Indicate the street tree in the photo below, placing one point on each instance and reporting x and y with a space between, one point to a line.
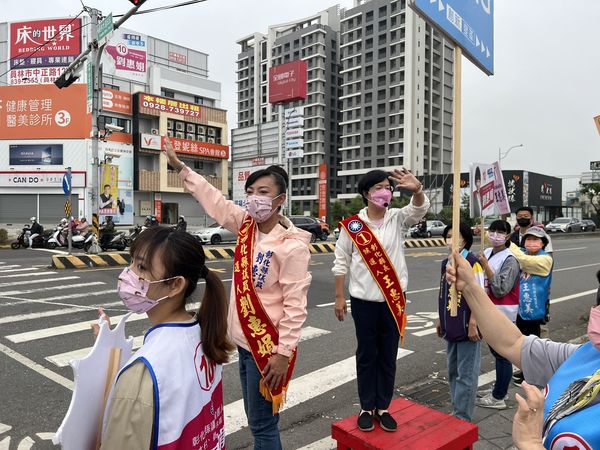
592 192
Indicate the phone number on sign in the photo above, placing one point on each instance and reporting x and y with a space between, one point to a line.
171 109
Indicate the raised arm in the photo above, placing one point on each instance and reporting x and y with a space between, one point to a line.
419 203
535 265
224 211
497 329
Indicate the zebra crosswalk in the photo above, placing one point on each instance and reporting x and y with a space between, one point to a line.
45 319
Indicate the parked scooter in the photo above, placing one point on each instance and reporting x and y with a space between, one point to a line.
117 242
133 234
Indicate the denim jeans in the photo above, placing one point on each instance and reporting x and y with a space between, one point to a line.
377 336
503 375
262 422
464 361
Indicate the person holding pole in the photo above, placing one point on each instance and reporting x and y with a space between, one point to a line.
460 331
571 373
370 248
170 390
269 290
502 274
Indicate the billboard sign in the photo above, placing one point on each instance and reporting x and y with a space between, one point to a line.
323 191
186 146
469 23
39 179
294 143
125 55
544 190
594 165
35 155
116 101
108 174
287 82
153 105
293 133
44 43
124 186
44 112
36 75
292 154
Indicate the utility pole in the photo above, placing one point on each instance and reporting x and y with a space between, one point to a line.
94 51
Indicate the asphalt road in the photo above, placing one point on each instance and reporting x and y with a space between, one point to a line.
45 316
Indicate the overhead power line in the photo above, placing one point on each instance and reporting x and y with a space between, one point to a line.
163 8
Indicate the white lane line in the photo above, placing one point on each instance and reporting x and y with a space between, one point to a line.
28 269
302 389
486 378
52 288
424 332
323 305
36 367
327 443
576 267
4 428
53 300
78 295
569 249
73 328
63 359
26 443
57 312
48 280
570 297
38 274
10 266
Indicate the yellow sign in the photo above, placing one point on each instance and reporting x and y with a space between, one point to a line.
68 208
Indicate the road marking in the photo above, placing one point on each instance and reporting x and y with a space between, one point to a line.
486 378
81 294
323 305
58 312
52 288
59 379
327 443
5 443
49 280
569 249
576 267
26 443
424 332
38 274
29 269
4 428
302 389
73 328
572 296
11 266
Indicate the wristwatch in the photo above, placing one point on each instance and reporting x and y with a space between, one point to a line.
180 167
418 191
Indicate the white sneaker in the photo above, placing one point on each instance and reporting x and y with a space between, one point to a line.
490 402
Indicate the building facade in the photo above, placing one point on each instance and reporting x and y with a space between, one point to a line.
314 39
397 93
154 88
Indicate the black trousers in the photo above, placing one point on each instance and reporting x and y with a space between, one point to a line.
377 335
529 327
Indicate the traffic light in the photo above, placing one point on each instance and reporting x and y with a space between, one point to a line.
137 2
67 79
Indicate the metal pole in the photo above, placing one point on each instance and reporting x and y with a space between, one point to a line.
280 136
97 87
289 171
68 216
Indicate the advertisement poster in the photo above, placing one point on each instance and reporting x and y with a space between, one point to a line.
109 190
323 191
125 55
488 194
44 112
35 155
40 50
122 211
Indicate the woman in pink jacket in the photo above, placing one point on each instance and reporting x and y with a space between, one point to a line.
268 294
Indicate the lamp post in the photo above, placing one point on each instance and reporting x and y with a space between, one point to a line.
502 155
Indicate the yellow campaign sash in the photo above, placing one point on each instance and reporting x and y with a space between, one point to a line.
257 327
378 262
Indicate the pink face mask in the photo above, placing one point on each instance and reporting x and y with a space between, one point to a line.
381 198
497 239
260 207
133 290
594 327
533 246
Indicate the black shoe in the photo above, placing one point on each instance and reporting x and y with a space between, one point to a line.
518 378
365 421
386 421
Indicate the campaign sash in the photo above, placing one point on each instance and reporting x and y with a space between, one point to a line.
257 327
378 262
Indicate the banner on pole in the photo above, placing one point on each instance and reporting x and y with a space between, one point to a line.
488 193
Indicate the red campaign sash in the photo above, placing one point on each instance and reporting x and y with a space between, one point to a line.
257 327
378 262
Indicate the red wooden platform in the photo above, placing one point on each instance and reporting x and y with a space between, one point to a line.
419 428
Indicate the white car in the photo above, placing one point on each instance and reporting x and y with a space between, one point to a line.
215 234
564 224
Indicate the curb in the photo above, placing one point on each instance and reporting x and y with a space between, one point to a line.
212 254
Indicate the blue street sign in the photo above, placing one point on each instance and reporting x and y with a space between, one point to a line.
66 183
469 23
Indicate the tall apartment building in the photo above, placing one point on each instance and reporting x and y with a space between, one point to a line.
314 39
397 93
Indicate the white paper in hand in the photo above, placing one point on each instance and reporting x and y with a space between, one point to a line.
82 422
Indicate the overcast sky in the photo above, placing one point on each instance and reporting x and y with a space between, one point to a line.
543 95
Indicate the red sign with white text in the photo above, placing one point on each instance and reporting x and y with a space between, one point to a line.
186 146
323 191
56 42
116 101
287 82
153 105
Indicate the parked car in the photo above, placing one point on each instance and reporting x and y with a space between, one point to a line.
564 225
215 234
309 224
588 225
434 228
